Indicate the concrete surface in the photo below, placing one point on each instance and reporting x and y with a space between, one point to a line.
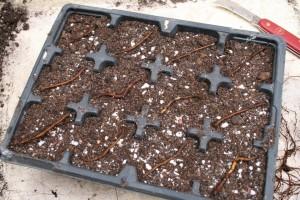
31 184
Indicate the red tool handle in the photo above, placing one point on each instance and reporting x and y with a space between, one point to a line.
292 40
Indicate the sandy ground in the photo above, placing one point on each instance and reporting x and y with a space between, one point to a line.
25 183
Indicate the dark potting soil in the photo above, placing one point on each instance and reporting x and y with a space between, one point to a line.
106 144
10 18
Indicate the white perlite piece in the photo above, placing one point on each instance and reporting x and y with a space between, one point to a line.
179 134
132 43
115 114
145 86
241 87
173 162
161 101
85 151
169 132
41 142
120 142
74 143
235 191
224 125
166 24
252 192
148 167
152 48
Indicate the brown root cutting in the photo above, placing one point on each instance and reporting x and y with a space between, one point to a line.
218 122
191 52
219 186
167 107
45 131
106 151
147 35
167 160
73 78
123 93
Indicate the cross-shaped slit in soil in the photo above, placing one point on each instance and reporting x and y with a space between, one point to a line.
101 58
215 79
156 68
205 135
142 122
50 51
83 109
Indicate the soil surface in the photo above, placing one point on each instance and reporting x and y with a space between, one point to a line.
105 143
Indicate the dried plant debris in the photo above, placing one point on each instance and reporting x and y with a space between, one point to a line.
287 183
123 92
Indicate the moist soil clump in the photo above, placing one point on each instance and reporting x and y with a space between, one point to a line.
165 156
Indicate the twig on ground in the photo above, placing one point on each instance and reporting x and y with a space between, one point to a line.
166 108
218 122
45 131
191 52
65 82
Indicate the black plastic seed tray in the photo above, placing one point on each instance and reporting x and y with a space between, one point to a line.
128 176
